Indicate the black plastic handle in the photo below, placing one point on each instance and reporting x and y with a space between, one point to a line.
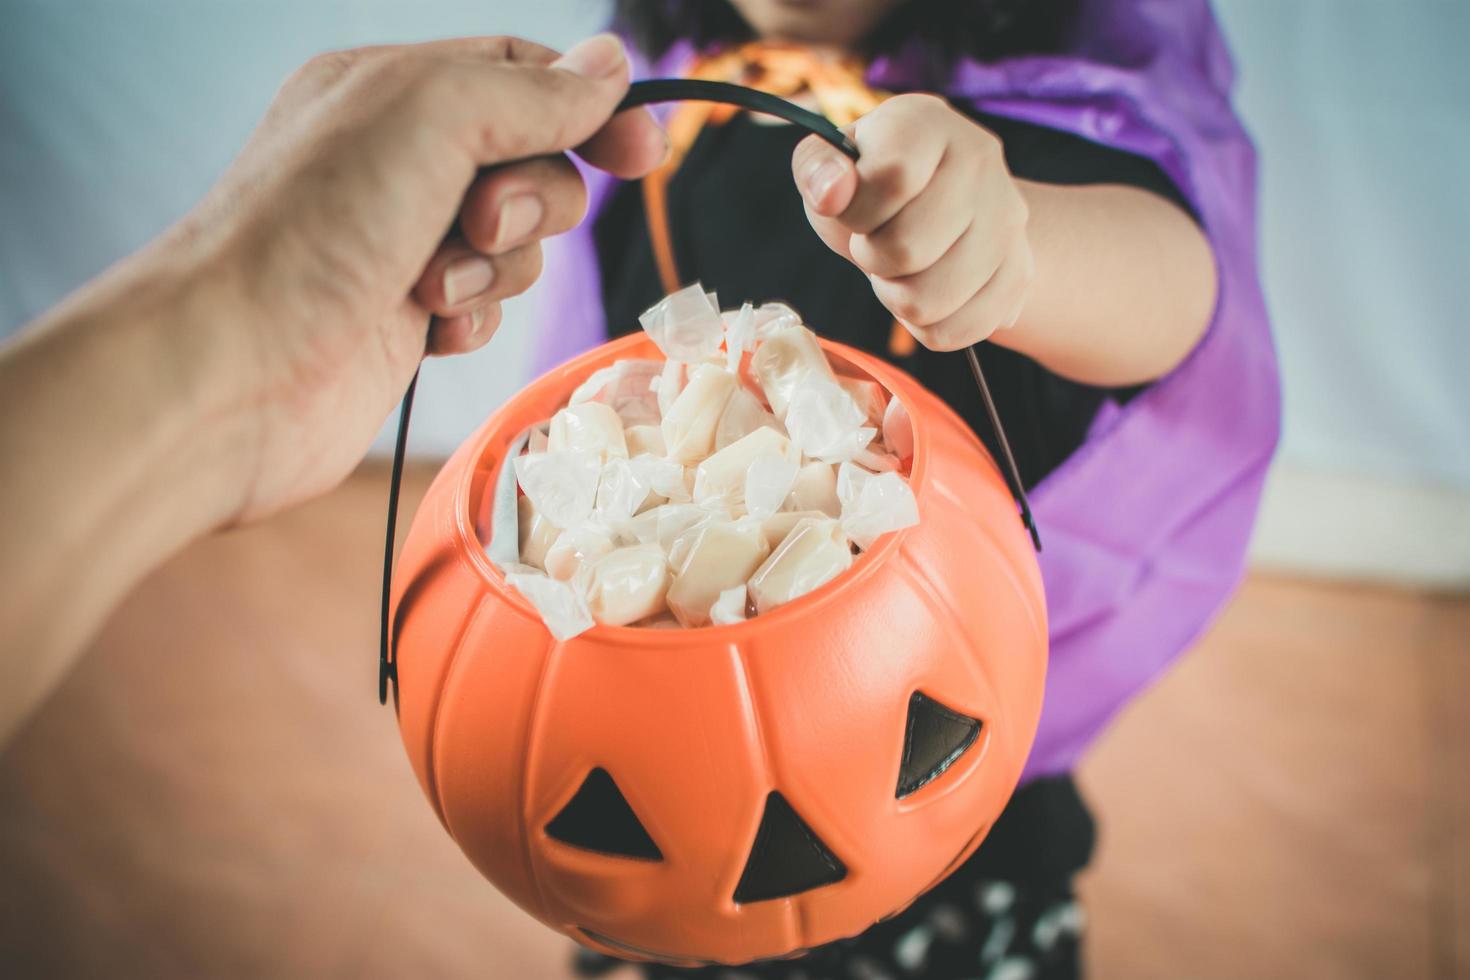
699 90
684 90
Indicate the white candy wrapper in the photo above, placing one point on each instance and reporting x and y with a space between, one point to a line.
813 554
685 325
778 526
898 430
739 335
743 415
729 607
667 386
768 482
868 395
574 547
873 505
537 534
771 318
689 424
665 525
562 485
815 489
621 491
561 606
624 386
722 477
783 360
591 426
627 584
666 478
668 494
721 556
877 461
825 423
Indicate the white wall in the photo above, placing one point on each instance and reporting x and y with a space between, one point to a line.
1361 109
115 116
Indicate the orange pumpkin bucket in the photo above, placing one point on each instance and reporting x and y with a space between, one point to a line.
736 792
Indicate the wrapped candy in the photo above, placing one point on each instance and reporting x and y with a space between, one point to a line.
768 482
873 505
667 386
536 442
729 607
814 553
627 584
591 426
685 325
723 475
825 423
743 414
739 335
815 489
624 386
781 362
644 440
689 424
574 547
778 525
877 460
537 534
771 318
622 489
721 556
666 524
668 494
562 485
868 395
898 430
561 606
666 479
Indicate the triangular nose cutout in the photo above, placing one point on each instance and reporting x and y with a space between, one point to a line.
933 739
599 819
787 858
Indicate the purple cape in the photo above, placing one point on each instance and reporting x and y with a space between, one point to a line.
1146 525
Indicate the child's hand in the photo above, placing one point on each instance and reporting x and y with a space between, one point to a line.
930 213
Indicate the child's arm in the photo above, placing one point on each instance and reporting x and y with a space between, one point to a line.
1104 284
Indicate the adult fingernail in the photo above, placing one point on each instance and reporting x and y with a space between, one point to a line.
467 277
519 216
477 320
821 174
596 57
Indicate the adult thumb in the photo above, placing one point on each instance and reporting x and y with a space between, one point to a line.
513 111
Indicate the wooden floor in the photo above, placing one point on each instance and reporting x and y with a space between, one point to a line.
216 793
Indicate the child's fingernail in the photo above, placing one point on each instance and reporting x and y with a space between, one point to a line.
596 57
477 320
519 216
821 175
466 277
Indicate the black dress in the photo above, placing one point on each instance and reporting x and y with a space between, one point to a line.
737 226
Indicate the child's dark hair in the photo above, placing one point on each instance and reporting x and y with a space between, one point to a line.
948 29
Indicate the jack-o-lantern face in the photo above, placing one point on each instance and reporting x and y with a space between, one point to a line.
737 792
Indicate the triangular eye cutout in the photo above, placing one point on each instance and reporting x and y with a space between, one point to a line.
933 739
787 858
599 819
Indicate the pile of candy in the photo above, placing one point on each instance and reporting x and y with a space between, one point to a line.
734 476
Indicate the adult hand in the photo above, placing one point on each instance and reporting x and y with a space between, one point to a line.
385 187
391 198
